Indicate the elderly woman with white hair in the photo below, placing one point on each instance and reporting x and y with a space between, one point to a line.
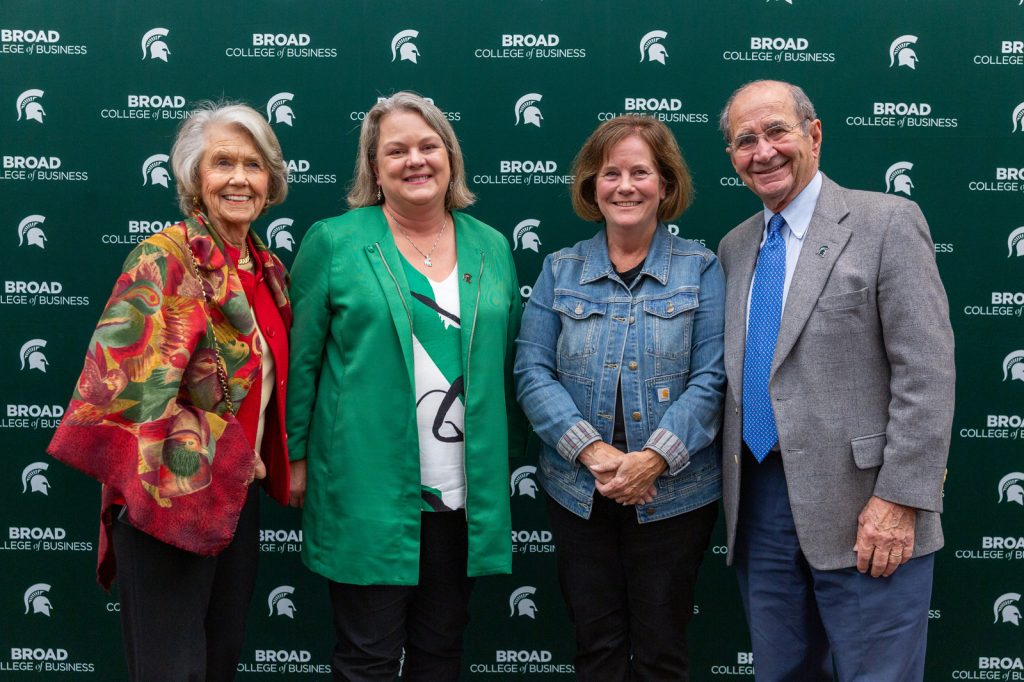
180 405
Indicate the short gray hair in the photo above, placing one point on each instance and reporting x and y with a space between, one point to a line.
190 144
801 104
363 191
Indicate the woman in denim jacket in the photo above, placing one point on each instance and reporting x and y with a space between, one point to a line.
619 368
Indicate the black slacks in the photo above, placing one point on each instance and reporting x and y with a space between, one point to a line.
182 614
629 588
374 622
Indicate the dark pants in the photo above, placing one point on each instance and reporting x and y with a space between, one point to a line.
182 614
629 588
803 619
374 622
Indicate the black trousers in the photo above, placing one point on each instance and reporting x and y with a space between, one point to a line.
182 614
374 622
629 588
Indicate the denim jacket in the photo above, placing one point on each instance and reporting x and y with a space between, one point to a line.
583 328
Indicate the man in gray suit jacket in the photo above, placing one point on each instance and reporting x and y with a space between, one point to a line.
839 358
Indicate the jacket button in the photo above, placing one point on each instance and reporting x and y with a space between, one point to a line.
579 309
369 249
636 416
633 365
632 319
270 332
736 410
669 308
649 511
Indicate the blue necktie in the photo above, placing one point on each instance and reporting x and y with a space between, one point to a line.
759 430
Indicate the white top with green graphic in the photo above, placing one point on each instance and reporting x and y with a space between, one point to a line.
440 407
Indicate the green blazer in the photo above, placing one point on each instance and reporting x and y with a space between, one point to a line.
351 411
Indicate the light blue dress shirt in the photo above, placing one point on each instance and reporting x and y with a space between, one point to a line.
798 219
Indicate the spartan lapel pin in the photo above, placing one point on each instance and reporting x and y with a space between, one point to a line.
822 250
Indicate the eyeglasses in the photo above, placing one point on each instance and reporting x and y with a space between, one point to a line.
776 132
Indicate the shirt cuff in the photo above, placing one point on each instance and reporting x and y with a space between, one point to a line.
576 438
668 445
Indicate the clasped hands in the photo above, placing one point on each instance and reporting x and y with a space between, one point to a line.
627 478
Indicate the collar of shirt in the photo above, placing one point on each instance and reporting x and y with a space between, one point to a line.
798 218
797 214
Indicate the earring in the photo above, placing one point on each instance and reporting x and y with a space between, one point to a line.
379 194
195 201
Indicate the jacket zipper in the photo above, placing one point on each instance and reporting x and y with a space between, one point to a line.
398 288
469 356
472 330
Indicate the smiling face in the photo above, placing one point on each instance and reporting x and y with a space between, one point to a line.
412 165
628 187
775 171
233 180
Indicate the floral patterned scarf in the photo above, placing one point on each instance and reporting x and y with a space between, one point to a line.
148 417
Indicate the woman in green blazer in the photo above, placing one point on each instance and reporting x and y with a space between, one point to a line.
401 413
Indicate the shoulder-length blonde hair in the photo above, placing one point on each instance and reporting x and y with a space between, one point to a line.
363 191
190 144
667 157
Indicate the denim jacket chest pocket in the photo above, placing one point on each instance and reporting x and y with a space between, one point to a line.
669 323
582 320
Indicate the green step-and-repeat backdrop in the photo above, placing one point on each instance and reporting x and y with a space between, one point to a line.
920 98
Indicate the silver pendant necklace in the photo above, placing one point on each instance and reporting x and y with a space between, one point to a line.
427 261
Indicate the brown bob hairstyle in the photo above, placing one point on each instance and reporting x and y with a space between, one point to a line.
667 157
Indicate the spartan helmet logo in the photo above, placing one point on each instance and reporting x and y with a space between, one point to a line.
1005 608
523 483
1013 366
34 476
900 50
651 48
153 45
525 108
277 109
32 353
525 237
520 603
896 178
154 172
1011 486
1016 242
36 599
30 232
279 602
278 235
1018 118
29 106
402 47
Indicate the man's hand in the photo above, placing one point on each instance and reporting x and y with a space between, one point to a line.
885 537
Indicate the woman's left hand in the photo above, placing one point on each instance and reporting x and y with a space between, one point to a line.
259 469
634 480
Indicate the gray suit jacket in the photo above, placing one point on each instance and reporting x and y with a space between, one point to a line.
862 379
